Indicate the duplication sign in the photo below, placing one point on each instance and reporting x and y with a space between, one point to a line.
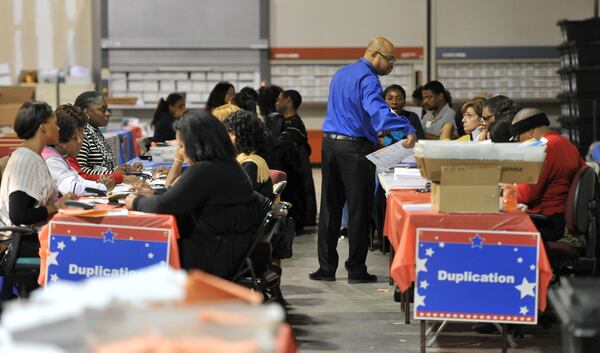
476 275
82 250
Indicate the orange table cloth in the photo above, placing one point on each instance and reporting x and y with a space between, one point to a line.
133 219
401 228
8 143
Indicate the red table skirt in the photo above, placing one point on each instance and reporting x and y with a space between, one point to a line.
134 219
401 226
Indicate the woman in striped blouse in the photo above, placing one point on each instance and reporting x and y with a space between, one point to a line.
96 158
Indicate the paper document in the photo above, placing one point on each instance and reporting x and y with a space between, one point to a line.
390 156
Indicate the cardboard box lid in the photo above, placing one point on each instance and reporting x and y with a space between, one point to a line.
13 94
512 171
471 175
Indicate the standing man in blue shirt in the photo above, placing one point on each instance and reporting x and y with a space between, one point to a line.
356 112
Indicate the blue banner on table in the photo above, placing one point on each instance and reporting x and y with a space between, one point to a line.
79 251
471 275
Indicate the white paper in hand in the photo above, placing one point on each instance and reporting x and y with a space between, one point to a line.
390 156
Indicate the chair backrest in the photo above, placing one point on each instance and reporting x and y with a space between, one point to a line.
8 262
277 176
265 231
582 196
278 188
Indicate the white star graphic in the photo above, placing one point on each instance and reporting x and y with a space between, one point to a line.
52 258
61 245
73 238
532 267
516 249
150 255
54 277
424 284
526 288
419 300
421 265
429 252
146 245
520 260
162 262
523 310
442 244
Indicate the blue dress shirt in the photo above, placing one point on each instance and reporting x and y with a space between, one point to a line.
356 107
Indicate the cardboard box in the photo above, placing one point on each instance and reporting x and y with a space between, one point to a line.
11 99
68 92
511 171
467 189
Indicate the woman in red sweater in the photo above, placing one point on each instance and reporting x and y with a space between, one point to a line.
549 195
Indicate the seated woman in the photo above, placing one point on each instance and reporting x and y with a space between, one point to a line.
71 122
222 93
167 112
549 195
96 158
249 136
217 209
27 191
472 117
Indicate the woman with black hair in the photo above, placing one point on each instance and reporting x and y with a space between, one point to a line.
244 101
167 112
27 191
217 209
221 94
96 157
71 122
249 136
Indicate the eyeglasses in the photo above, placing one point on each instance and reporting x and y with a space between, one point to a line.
390 59
486 118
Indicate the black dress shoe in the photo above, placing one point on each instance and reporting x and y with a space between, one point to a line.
319 275
364 278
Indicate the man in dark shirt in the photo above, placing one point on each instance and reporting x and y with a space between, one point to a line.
356 112
287 105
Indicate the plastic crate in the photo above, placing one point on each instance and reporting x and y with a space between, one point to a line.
583 31
577 303
583 81
584 55
580 106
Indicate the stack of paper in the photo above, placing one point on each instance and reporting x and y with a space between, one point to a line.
402 178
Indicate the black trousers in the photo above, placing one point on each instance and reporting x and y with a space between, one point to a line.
346 176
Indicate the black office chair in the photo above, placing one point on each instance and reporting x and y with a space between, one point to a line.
268 282
18 272
277 190
581 217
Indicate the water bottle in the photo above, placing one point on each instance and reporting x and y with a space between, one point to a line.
509 197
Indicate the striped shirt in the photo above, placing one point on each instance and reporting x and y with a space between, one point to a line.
25 171
95 156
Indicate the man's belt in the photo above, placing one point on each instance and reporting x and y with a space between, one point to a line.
342 137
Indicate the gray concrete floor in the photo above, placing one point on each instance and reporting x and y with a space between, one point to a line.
342 317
